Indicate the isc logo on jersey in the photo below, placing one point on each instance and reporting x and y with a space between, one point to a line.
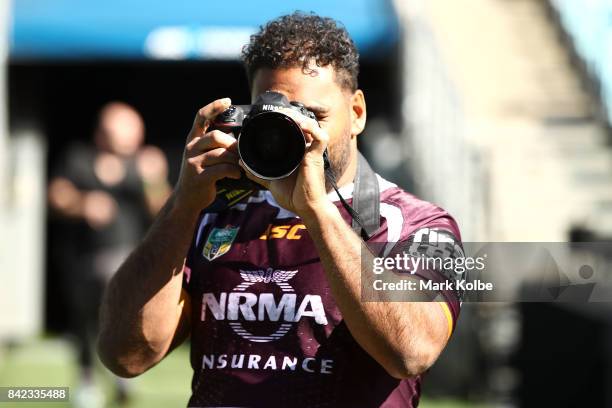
252 307
283 231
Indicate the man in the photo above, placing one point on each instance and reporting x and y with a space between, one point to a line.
269 289
102 198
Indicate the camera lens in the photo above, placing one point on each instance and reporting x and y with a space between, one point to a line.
271 145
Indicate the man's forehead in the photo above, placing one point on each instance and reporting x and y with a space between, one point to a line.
297 83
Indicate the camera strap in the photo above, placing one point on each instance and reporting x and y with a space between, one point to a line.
365 211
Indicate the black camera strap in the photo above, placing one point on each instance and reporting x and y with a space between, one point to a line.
365 211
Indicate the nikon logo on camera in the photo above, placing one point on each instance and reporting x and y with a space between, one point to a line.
268 107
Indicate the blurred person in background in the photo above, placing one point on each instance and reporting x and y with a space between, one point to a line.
288 250
104 196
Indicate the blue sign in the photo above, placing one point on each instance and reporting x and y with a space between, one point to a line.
187 29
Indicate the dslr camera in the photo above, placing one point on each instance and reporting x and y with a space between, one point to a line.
270 143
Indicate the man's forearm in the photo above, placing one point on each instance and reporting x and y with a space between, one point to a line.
141 307
404 337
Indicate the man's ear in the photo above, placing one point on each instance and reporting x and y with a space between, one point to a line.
358 112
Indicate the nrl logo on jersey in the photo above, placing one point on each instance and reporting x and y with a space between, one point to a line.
219 242
240 305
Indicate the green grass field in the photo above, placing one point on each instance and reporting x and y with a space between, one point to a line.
51 362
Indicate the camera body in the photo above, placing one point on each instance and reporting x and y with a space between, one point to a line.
270 144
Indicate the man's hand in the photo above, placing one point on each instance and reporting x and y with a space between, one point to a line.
303 192
208 157
151 165
99 208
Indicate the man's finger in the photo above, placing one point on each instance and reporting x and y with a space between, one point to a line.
206 114
211 140
222 170
213 157
320 138
315 135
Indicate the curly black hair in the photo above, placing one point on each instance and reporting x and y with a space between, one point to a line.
296 40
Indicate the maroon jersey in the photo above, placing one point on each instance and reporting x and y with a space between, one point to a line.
266 331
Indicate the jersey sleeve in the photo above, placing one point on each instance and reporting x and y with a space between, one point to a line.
440 245
422 229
